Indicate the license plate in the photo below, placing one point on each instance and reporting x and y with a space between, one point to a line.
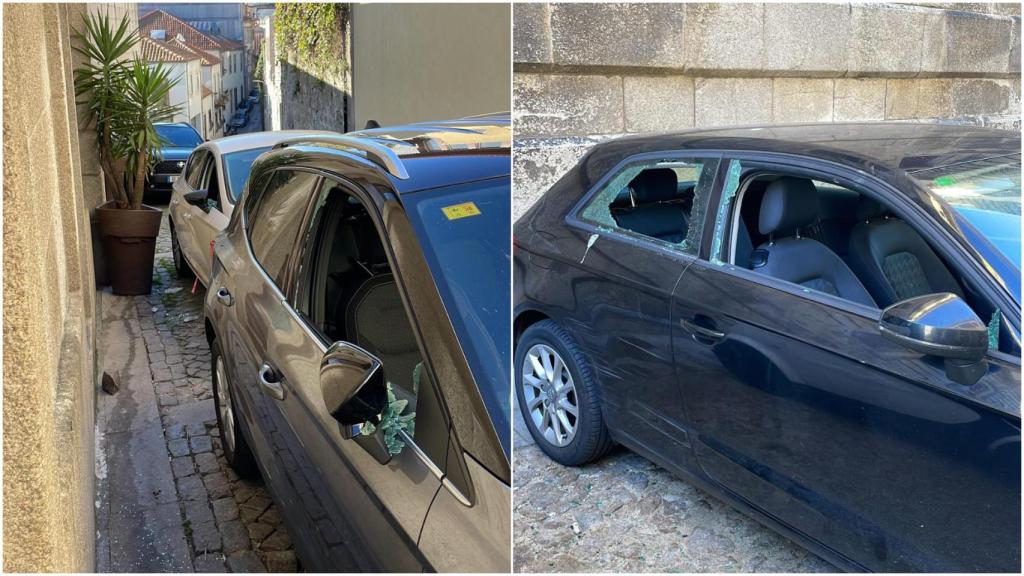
172 179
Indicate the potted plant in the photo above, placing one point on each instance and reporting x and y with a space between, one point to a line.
124 97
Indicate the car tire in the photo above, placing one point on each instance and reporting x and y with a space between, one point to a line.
542 393
233 443
181 267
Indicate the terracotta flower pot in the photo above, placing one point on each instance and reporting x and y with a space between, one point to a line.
129 245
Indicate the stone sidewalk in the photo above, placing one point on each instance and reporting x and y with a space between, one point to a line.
626 514
166 499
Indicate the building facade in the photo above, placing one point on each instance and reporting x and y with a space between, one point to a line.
222 72
186 72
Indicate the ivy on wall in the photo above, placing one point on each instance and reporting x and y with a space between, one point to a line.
257 73
310 36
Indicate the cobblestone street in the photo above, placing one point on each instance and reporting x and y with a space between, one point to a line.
167 498
626 514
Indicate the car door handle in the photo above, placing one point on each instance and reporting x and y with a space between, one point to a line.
701 333
224 297
270 381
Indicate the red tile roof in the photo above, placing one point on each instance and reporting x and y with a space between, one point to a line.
156 51
173 26
207 58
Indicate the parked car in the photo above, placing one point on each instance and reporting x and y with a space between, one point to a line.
181 138
254 95
358 317
203 200
239 120
819 324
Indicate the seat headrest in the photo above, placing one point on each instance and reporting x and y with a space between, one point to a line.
654 185
868 209
788 203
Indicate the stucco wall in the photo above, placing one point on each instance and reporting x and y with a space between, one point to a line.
414 63
49 301
589 72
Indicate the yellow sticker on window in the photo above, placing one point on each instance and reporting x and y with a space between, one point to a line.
464 210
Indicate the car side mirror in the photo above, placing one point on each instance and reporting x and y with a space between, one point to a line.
197 198
352 383
944 326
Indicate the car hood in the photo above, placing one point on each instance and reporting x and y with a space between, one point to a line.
175 153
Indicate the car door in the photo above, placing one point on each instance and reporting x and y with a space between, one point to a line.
803 410
208 220
194 177
363 507
620 311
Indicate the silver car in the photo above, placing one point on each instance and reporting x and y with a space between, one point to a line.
358 317
203 198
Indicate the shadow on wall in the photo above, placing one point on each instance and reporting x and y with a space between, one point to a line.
310 102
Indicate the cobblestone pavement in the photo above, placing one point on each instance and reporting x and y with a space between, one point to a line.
626 514
229 523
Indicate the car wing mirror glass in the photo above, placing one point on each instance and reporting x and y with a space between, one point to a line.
944 326
352 383
197 198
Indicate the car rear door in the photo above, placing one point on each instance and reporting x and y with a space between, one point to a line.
207 221
193 179
620 306
803 410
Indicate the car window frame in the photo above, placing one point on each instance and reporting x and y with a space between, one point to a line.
203 151
860 182
297 257
251 213
573 219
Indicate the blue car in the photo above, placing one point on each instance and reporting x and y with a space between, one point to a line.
819 324
180 138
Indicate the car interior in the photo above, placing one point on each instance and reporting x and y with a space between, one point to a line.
835 240
212 184
354 294
655 204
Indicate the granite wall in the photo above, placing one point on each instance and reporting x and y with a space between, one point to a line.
585 72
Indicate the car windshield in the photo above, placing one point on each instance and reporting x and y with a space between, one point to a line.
464 231
179 136
986 192
236 169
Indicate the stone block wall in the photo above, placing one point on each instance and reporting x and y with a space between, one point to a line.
49 319
299 98
586 72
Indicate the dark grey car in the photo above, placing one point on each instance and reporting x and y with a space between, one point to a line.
358 316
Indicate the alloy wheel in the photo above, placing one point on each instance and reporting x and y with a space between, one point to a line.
550 395
225 408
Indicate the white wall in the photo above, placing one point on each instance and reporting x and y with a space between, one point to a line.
187 91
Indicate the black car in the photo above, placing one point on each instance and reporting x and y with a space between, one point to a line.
179 138
358 317
819 324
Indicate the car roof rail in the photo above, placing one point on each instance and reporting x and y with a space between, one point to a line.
380 154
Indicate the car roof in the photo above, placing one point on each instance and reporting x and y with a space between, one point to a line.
250 140
892 145
433 154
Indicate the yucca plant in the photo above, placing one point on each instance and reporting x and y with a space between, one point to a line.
124 98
